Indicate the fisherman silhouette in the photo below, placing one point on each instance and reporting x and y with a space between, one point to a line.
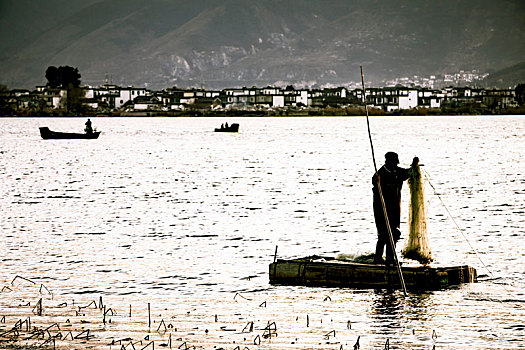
391 178
88 128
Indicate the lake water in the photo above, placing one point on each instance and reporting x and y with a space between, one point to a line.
167 212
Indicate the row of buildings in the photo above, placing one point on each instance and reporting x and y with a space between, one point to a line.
461 78
115 99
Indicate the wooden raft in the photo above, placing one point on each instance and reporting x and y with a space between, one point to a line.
334 273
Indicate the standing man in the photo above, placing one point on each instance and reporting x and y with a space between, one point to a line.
391 178
88 129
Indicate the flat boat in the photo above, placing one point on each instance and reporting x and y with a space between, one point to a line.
330 272
49 135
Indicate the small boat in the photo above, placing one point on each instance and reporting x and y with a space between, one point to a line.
232 128
50 135
329 272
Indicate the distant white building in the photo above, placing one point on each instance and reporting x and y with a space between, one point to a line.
270 90
392 99
115 96
302 97
89 92
56 98
278 101
429 98
128 94
143 103
407 99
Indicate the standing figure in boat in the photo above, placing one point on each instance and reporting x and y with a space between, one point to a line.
88 129
391 178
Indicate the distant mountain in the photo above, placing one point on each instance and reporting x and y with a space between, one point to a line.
506 78
223 43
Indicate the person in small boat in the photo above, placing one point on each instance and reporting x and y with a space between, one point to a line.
222 126
88 129
226 125
391 177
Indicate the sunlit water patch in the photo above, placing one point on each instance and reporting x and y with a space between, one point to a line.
167 212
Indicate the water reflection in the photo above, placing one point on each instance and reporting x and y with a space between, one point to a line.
420 306
388 308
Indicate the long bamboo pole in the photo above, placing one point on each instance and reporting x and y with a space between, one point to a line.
400 274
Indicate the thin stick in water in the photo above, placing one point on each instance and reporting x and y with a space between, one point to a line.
149 315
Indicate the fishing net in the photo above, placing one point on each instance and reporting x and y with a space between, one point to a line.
417 246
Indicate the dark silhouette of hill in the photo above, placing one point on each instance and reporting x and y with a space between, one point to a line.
222 43
506 78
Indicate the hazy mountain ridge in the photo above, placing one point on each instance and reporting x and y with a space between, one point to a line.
246 42
508 77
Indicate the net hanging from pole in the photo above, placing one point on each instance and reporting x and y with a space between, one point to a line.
417 246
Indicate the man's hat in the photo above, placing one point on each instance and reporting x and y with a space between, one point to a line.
391 157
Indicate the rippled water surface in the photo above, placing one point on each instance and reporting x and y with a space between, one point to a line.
167 211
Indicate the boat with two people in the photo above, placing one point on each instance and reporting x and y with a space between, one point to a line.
228 128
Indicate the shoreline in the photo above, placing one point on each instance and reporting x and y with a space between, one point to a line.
241 115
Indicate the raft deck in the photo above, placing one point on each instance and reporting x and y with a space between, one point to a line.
326 271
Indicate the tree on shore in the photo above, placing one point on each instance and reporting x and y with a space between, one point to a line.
66 77
62 77
4 101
